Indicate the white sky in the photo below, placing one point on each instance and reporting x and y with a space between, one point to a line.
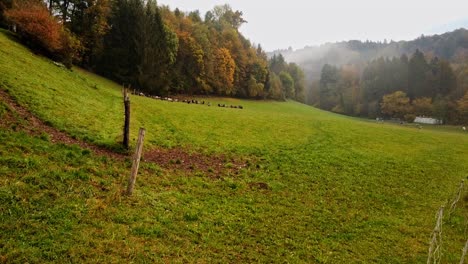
298 23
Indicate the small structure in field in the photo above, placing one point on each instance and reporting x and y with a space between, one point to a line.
427 120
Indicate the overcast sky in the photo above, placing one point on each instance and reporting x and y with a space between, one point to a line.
298 23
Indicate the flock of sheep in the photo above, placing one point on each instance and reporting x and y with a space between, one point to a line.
186 101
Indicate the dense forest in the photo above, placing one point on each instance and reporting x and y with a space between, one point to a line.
396 88
153 48
424 77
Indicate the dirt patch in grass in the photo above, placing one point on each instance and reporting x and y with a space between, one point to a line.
213 166
34 126
7 120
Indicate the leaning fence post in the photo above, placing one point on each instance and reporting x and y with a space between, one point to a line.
136 162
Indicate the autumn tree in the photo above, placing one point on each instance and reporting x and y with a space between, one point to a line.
223 80
422 106
36 26
396 104
42 32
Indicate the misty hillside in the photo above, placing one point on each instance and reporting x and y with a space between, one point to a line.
452 46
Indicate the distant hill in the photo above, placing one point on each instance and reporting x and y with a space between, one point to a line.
452 46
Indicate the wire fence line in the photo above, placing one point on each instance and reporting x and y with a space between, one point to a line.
435 245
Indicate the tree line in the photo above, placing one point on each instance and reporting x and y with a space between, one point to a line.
396 88
153 48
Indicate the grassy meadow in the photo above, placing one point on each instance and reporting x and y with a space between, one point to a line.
339 189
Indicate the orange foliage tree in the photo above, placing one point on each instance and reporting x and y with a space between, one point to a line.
42 32
36 26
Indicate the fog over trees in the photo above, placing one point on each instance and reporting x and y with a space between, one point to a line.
353 77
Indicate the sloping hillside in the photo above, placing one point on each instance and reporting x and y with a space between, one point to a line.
296 184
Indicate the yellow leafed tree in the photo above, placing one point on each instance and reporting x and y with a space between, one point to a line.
224 71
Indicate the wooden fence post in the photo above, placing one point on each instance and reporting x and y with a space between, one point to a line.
126 135
136 162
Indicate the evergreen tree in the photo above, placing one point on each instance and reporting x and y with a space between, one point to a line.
418 69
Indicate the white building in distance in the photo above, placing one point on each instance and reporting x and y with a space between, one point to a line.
427 120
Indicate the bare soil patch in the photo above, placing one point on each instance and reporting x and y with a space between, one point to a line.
179 159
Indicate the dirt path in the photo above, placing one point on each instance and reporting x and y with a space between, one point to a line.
35 126
171 159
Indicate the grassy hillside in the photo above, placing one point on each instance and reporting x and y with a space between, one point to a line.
317 187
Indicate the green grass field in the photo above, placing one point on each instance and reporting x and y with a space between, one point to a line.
340 189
